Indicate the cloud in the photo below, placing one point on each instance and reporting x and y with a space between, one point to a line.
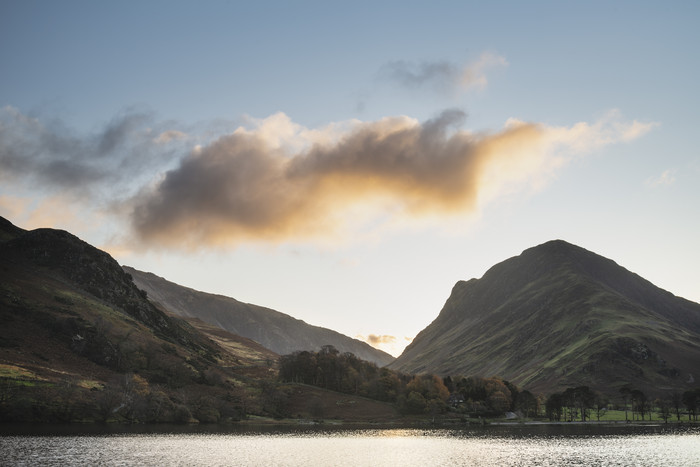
279 181
388 343
443 75
170 136
474 74
374 339
273 180
668 177
55 158
413 75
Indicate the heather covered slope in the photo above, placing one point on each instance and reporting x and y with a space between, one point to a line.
277 331
560 316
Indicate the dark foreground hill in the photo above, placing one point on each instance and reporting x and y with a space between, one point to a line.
79 341
560 316
277 331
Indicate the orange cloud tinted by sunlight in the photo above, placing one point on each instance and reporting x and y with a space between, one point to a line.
374 339
281 182
390 344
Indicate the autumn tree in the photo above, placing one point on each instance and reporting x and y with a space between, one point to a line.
425 394
498 396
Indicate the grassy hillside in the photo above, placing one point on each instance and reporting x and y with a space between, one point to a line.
274 330
559 316
80 342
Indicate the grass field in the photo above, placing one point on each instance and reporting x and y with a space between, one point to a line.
619 416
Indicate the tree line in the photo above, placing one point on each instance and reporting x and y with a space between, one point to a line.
581 403
474 396
414 394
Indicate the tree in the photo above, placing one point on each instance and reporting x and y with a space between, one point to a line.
639 402
328 364
527 403
514 392
449 383
429 386
499 401
387 386
586 400
690 400
578 400
473 389
415 403
498 396
108 401
134 389
554 406
676 403
435 406
664 407
601 403
625 392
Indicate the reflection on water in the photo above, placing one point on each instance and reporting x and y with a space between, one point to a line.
511 446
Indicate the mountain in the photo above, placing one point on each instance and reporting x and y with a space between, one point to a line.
80 342
560 316
277 331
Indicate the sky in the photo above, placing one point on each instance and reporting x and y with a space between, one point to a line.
347 163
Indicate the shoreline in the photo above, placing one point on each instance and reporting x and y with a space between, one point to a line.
291 425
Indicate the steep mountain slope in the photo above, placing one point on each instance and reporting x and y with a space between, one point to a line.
79 341
279 332
559 316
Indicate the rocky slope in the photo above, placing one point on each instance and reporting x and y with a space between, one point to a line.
559 316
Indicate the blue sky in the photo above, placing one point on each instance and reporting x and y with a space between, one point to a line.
347 163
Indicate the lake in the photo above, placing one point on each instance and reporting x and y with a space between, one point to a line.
516 445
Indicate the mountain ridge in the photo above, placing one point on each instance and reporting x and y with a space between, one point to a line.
559 315
555 316
75 261
80 342
275 330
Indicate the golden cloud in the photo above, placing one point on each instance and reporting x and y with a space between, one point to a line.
280 181
374 339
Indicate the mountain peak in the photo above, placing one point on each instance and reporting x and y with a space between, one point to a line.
62 255
559 315
558 248
561 249
8 230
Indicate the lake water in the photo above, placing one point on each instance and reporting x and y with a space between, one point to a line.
521 445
